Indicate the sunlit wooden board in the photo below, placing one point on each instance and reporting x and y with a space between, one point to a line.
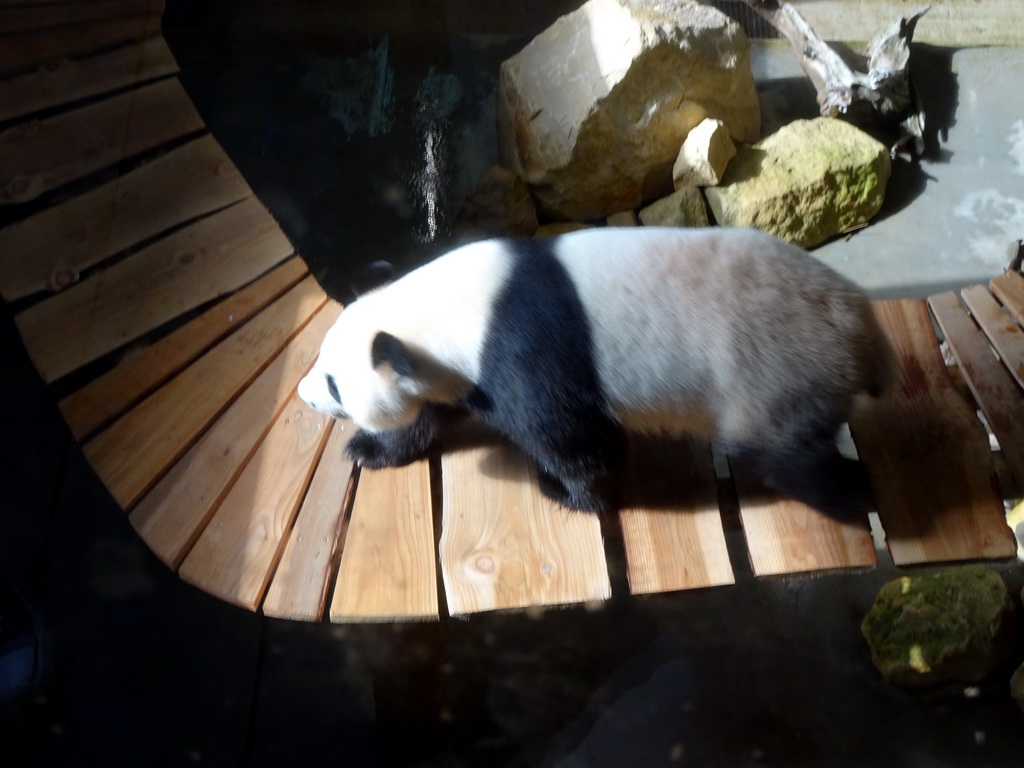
504 545
184 270
131 454
388 570
172 515
927 454
301 583
671 522
49 250
111 394
40 155
994 389
68 80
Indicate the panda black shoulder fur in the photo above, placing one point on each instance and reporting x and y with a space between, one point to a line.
564 344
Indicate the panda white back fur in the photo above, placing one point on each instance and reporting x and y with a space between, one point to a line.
561 344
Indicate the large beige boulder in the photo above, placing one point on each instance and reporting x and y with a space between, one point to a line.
592 112
807 182
498 206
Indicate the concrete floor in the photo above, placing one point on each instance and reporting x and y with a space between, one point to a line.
146 671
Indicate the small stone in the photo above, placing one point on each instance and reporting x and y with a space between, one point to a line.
704 156
556 228
622 219
498 206
807 182
683 208
954 625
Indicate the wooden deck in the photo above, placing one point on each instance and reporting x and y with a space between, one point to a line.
143 269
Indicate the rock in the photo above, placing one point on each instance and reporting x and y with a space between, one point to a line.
499 205
622 219
805 183
557 228
704 156
592 112
683 208
1017 686
954 625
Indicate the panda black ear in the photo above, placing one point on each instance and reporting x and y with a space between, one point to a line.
387 349
372 276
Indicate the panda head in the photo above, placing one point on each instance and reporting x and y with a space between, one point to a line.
365 374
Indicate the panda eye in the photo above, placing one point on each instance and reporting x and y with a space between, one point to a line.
332 388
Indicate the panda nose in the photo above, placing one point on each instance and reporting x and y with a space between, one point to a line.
332 388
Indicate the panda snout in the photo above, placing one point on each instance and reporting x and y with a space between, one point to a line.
320 391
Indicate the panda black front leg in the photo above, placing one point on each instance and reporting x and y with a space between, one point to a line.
398 447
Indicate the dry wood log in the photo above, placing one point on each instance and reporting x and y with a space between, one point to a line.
885 87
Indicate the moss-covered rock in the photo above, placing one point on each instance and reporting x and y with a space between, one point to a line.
683 208
954 625
807 182
1017 686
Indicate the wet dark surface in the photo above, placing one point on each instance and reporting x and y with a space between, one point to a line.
329 111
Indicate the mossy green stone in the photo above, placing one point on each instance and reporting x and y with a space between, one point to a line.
956 624
807 182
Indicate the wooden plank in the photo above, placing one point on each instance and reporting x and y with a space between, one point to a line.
1002 332
505 546
236 554
21 52
48 251
25 18
388 571
671 523
108 396
68 80
301 583
135 450
786 536
927 454
44 154
194 265
1009 287
172 515
1001 400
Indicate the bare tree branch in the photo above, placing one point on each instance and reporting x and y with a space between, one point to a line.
885 86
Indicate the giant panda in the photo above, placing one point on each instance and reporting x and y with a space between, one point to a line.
564 345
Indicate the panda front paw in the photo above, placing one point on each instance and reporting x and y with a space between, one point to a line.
370 450
379 450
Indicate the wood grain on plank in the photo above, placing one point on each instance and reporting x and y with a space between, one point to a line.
671 522
1006 336
235 556
999 396
68 80
300 585
111 394
1009 287
388 571
24 18
113 307
132 454
41 155
927 454
23 51
172 515
786 536
48 251
504 545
